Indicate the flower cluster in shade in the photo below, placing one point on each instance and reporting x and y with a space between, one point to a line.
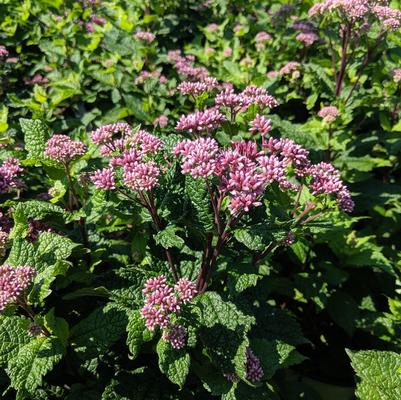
147 37
161 302
329 113
127 150
244 171
360 10
35 228
307 32
185 66
13 282
397 75
198 87
162 121
145 75
291 68
3 51
63 149
10 171
254 371
261 39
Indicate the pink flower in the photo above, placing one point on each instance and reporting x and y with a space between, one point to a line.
62 149
142 176
201 121
263 37
199 156
212 28
261 124
228 52
326 180
9 175
3 51
184 66
197 88
148 37
105 133
176 335
308 38
98 20
162 121
397 74
35 228
254 371
146 142
289 68
13 282
329 113
186 290
104 178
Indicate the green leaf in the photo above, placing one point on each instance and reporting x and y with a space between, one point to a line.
13 336
97 332
167 238
33 362
197 193
36 135
379 373
173 362
137 333
212 310
344 311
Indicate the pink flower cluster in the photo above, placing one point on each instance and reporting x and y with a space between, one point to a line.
147 37
9 175
261 39
329 113
326 180
397 74
128 151
243 172
199 157
62 149
145 75
162 121
201 121
290 68
13 282
97 20
307 38
197 88
358 9
184 66
37 79
254 371
3 51
237 102
161 301
212 27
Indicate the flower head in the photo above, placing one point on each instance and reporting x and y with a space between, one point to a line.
104 178
62 149
201 121
176 335
9 174
13 282
329 113
148 37
254 371
142 176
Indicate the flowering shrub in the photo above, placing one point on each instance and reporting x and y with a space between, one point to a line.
200 200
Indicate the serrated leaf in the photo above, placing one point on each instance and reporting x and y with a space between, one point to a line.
197 193
137 333
379 373
167 238
36 135
13 336
173 362
97 332
33 362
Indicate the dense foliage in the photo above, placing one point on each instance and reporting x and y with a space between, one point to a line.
200 200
